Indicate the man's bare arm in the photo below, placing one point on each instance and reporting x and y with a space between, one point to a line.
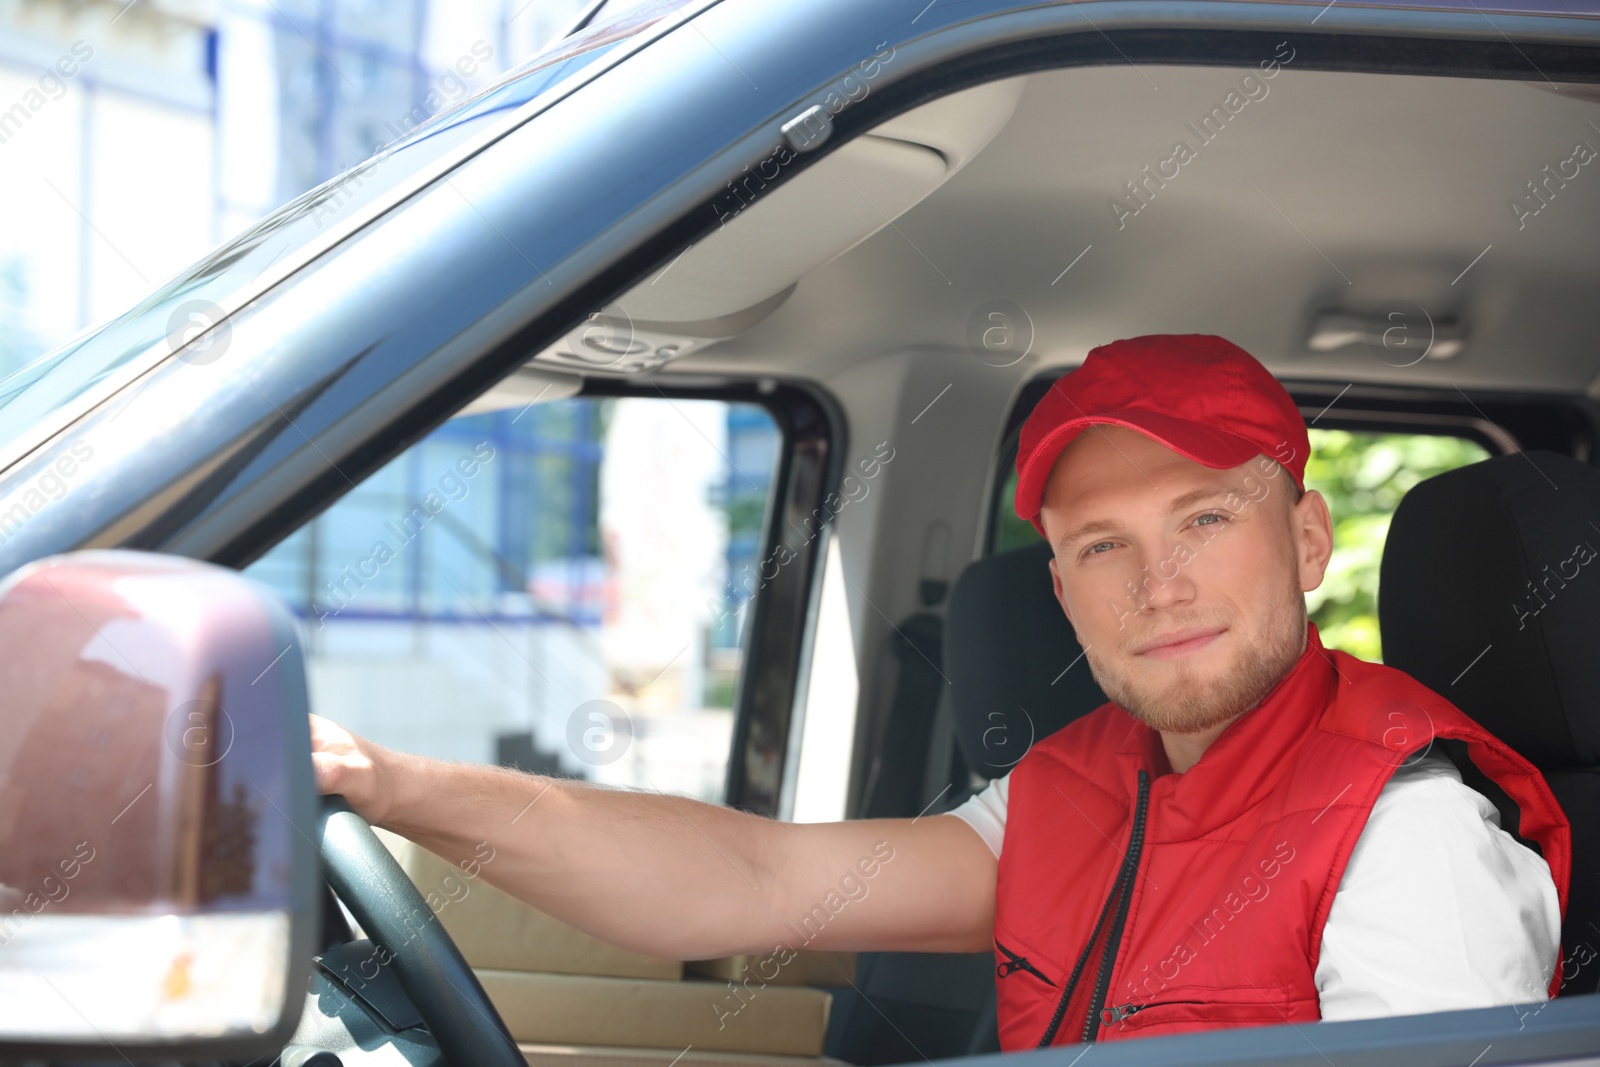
672 877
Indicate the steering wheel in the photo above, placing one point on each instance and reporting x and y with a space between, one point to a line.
430 969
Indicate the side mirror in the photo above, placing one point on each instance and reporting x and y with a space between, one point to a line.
158 878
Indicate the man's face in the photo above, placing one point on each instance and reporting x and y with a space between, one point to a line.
1184 584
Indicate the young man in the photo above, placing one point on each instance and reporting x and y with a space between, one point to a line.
1254 830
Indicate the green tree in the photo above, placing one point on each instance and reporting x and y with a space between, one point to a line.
1363 476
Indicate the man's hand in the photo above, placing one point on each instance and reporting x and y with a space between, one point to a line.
355 768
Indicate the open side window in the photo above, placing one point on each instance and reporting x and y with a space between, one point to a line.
575 587
569 587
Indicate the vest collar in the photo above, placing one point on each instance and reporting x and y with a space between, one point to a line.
1244 763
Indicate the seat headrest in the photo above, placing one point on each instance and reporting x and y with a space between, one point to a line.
1489 594
1016 671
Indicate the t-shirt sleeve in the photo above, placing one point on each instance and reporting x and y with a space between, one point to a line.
986 813
1439 908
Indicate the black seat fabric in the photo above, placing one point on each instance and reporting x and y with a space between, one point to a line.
1014 663
1016 675
1489 594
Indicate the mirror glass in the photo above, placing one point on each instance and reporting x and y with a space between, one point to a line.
156 879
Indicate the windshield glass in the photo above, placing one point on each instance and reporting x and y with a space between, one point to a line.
180 311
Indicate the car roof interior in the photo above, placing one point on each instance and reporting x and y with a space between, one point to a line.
1344 191
1333 192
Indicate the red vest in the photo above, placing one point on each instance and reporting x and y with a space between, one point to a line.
1135 901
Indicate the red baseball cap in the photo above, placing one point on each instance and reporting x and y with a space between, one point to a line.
1203 397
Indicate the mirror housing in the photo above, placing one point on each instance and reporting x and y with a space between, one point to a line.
158 879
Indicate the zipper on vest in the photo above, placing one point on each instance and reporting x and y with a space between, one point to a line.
1018 963
1113 1015
1124 875
1130 867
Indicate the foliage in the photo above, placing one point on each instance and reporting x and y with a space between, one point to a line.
1363 476
745 512
1009 531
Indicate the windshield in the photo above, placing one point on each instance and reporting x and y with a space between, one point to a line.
179 312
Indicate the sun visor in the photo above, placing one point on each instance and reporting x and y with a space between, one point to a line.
740 272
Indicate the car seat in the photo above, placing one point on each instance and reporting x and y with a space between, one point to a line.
1016 671
1016 675
1489 591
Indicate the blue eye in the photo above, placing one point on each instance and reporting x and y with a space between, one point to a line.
1208 515
1095 548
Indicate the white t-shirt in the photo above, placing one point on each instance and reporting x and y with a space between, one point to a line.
1438 909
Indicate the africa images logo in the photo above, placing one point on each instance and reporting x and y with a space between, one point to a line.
43 489
599 732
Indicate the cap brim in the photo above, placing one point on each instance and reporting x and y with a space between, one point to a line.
1205 445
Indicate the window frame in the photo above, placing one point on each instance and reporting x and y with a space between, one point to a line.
775 645
811 434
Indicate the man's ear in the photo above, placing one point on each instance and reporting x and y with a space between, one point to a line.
1312 529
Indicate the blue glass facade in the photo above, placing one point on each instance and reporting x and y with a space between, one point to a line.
496 517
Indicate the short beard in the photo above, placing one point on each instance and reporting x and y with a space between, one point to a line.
1189 706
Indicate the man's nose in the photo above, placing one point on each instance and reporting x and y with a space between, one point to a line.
1163 579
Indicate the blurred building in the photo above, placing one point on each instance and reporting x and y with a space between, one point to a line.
556 588
466 615
135 137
